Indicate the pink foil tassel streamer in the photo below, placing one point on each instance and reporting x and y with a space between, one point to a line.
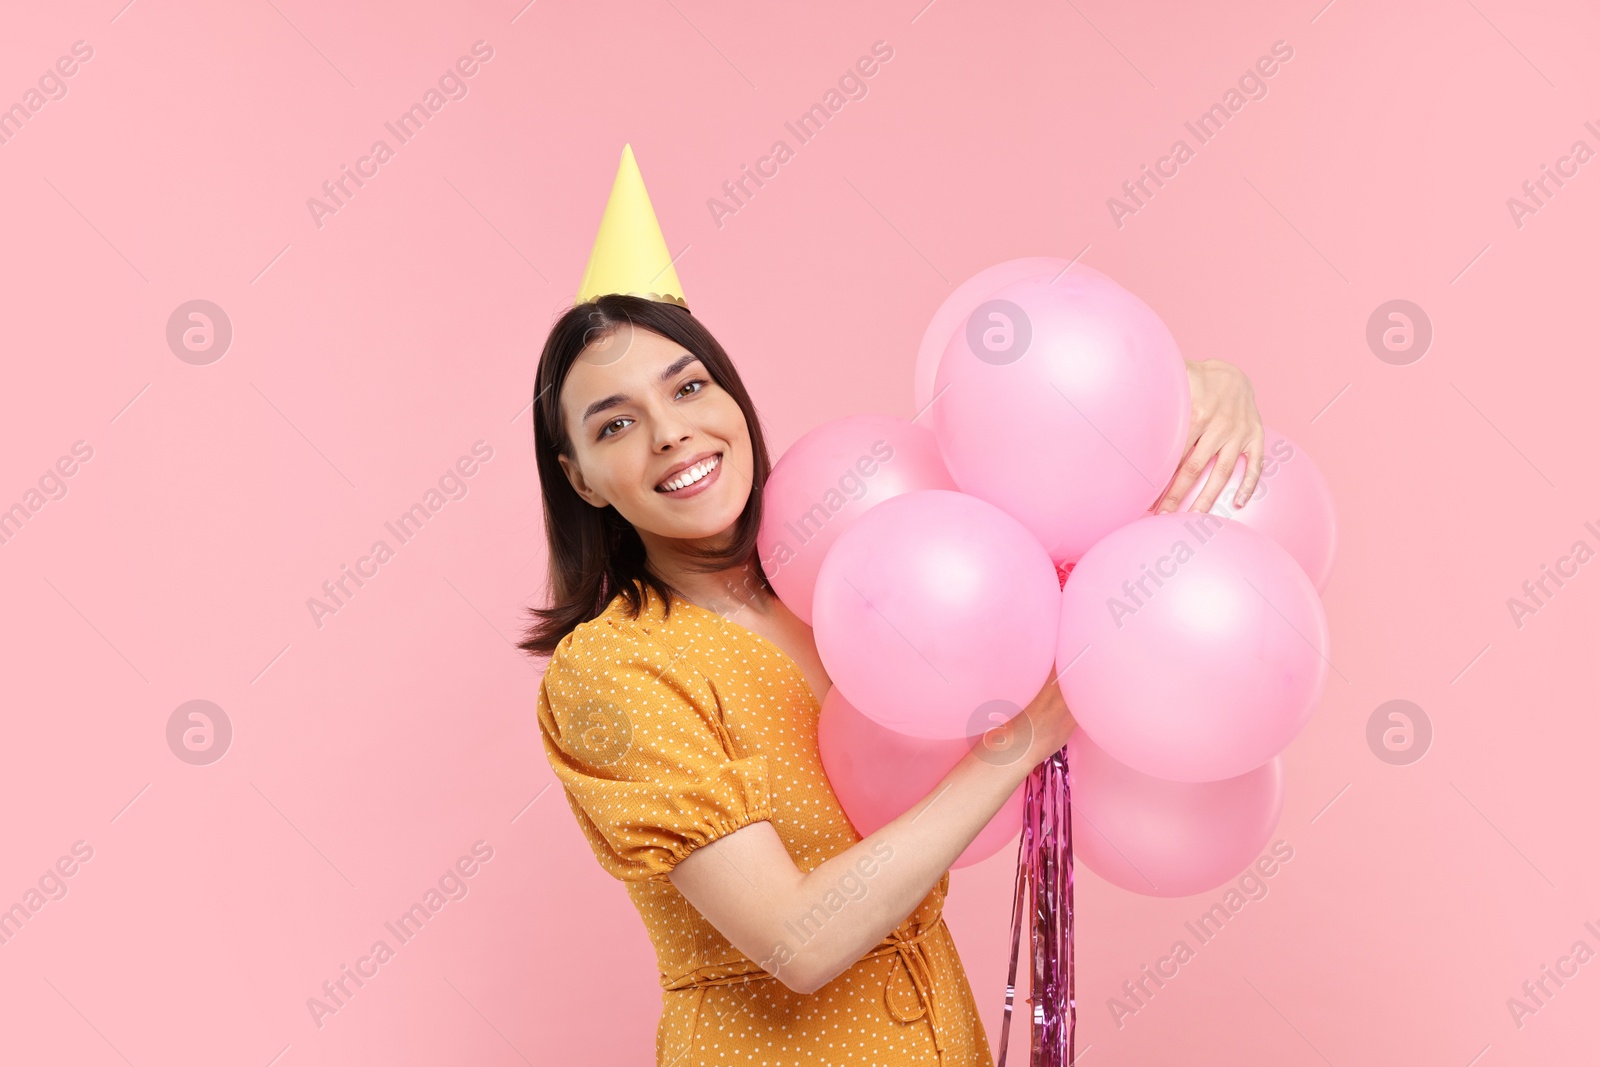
1044 862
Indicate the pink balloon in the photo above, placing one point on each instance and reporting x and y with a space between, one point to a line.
967 296
826 481
1067 408
878 774
1191 647
1292 504
931 608
1164 838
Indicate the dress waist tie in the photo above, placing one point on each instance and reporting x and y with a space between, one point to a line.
914 965
917 968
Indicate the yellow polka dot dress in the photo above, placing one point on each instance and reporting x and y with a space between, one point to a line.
668 731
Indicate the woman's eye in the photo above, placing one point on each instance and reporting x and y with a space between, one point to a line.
607 431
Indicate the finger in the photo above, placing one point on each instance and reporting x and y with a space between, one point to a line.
1161 497
1156 505
1197 428
1227 455
1188 472
1255 451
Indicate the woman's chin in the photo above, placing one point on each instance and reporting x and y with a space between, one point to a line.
695 528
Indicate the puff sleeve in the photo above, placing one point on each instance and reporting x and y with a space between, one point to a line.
636 737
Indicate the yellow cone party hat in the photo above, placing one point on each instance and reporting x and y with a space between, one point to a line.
630 255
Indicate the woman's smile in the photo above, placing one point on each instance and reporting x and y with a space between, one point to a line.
694 480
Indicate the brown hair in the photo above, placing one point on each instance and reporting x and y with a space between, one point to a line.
595 553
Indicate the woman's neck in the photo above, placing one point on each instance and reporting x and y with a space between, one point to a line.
727 592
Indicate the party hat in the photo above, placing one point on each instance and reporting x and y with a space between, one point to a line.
630 255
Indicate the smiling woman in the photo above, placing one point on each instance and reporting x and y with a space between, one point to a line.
679 706
682 726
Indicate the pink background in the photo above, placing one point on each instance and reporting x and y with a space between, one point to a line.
369 354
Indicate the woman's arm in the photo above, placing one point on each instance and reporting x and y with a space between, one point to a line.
794 925
1223 423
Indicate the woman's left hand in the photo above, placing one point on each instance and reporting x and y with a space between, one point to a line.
1223 423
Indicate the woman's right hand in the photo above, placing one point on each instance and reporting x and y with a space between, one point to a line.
1023 741
1044 725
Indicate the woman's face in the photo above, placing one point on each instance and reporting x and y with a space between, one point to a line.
643 413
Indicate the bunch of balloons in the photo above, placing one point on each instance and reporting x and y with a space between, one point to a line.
928 555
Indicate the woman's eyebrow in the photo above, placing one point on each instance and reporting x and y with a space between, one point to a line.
618 398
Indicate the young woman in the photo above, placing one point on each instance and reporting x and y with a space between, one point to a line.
679 709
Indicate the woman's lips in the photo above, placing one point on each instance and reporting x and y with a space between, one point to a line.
698 487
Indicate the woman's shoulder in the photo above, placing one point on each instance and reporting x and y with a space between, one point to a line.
616 634
617 671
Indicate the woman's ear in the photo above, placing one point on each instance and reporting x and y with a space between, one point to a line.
581 487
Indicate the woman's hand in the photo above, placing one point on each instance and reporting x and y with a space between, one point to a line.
1030 736
1052 722
1223 423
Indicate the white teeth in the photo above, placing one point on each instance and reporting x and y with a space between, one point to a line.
692 475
